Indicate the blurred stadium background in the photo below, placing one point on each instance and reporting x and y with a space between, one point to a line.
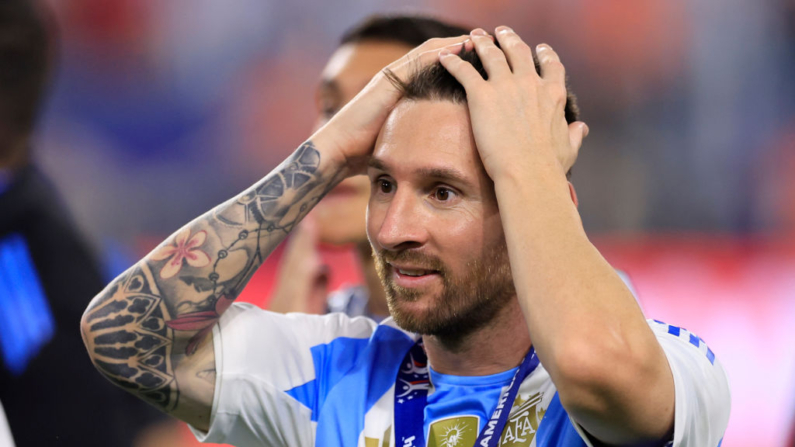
161 110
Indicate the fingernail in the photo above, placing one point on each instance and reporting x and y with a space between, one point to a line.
444 53
479 32
503 30
585 130
542 47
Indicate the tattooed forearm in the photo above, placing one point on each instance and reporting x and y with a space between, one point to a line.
150 321
132 345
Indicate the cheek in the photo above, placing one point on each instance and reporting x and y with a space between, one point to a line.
374 218
341 220
460 234
467 236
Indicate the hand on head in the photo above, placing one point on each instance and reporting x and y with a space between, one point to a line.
352 132
516 109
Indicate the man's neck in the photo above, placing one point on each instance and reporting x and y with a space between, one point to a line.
496 347
376 303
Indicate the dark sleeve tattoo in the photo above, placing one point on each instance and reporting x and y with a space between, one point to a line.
132 344
154 316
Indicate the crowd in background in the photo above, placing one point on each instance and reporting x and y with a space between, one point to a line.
691 104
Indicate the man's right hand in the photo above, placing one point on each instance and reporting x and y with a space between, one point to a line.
351 134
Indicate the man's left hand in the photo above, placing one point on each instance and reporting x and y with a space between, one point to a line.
516 111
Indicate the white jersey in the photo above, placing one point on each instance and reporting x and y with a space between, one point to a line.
304 380
5 431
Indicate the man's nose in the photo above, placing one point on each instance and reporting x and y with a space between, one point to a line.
404 223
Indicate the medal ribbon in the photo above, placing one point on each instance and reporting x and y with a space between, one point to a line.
411 397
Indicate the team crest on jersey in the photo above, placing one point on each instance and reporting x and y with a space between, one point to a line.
460 431
520 430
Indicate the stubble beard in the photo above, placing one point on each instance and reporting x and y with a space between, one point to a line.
467 302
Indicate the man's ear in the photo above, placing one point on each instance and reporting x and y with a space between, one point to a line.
574 196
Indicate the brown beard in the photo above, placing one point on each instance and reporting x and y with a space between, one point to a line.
466 304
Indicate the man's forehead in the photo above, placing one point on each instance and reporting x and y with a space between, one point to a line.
430 137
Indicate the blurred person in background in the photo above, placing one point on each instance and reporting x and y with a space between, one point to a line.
446 156
50 395
339 220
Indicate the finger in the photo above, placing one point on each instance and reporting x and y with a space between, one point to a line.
462 70
416 60
517 52
437 44
551 67
492 58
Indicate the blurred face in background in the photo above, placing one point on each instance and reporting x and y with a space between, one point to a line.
340 215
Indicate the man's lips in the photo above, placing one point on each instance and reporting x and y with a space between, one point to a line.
410 276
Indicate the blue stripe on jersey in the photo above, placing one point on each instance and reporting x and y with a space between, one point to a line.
555 429
26 322
333 361
341 415
694 339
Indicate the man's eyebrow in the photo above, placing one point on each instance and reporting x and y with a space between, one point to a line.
377 164
448 174
438 173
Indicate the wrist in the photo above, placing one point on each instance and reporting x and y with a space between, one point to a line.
327 142
536 165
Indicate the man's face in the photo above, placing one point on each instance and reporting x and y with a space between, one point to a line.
340 215
434 224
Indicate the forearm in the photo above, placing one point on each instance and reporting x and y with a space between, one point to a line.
566 289
148 323
587 328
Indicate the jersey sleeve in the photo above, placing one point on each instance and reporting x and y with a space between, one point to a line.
703 399
268 374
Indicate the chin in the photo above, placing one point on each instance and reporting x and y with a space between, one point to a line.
421 313
450 315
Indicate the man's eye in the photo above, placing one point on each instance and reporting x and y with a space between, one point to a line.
443 194
385 186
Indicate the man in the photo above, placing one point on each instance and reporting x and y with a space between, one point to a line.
49 393
338 220
530 336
